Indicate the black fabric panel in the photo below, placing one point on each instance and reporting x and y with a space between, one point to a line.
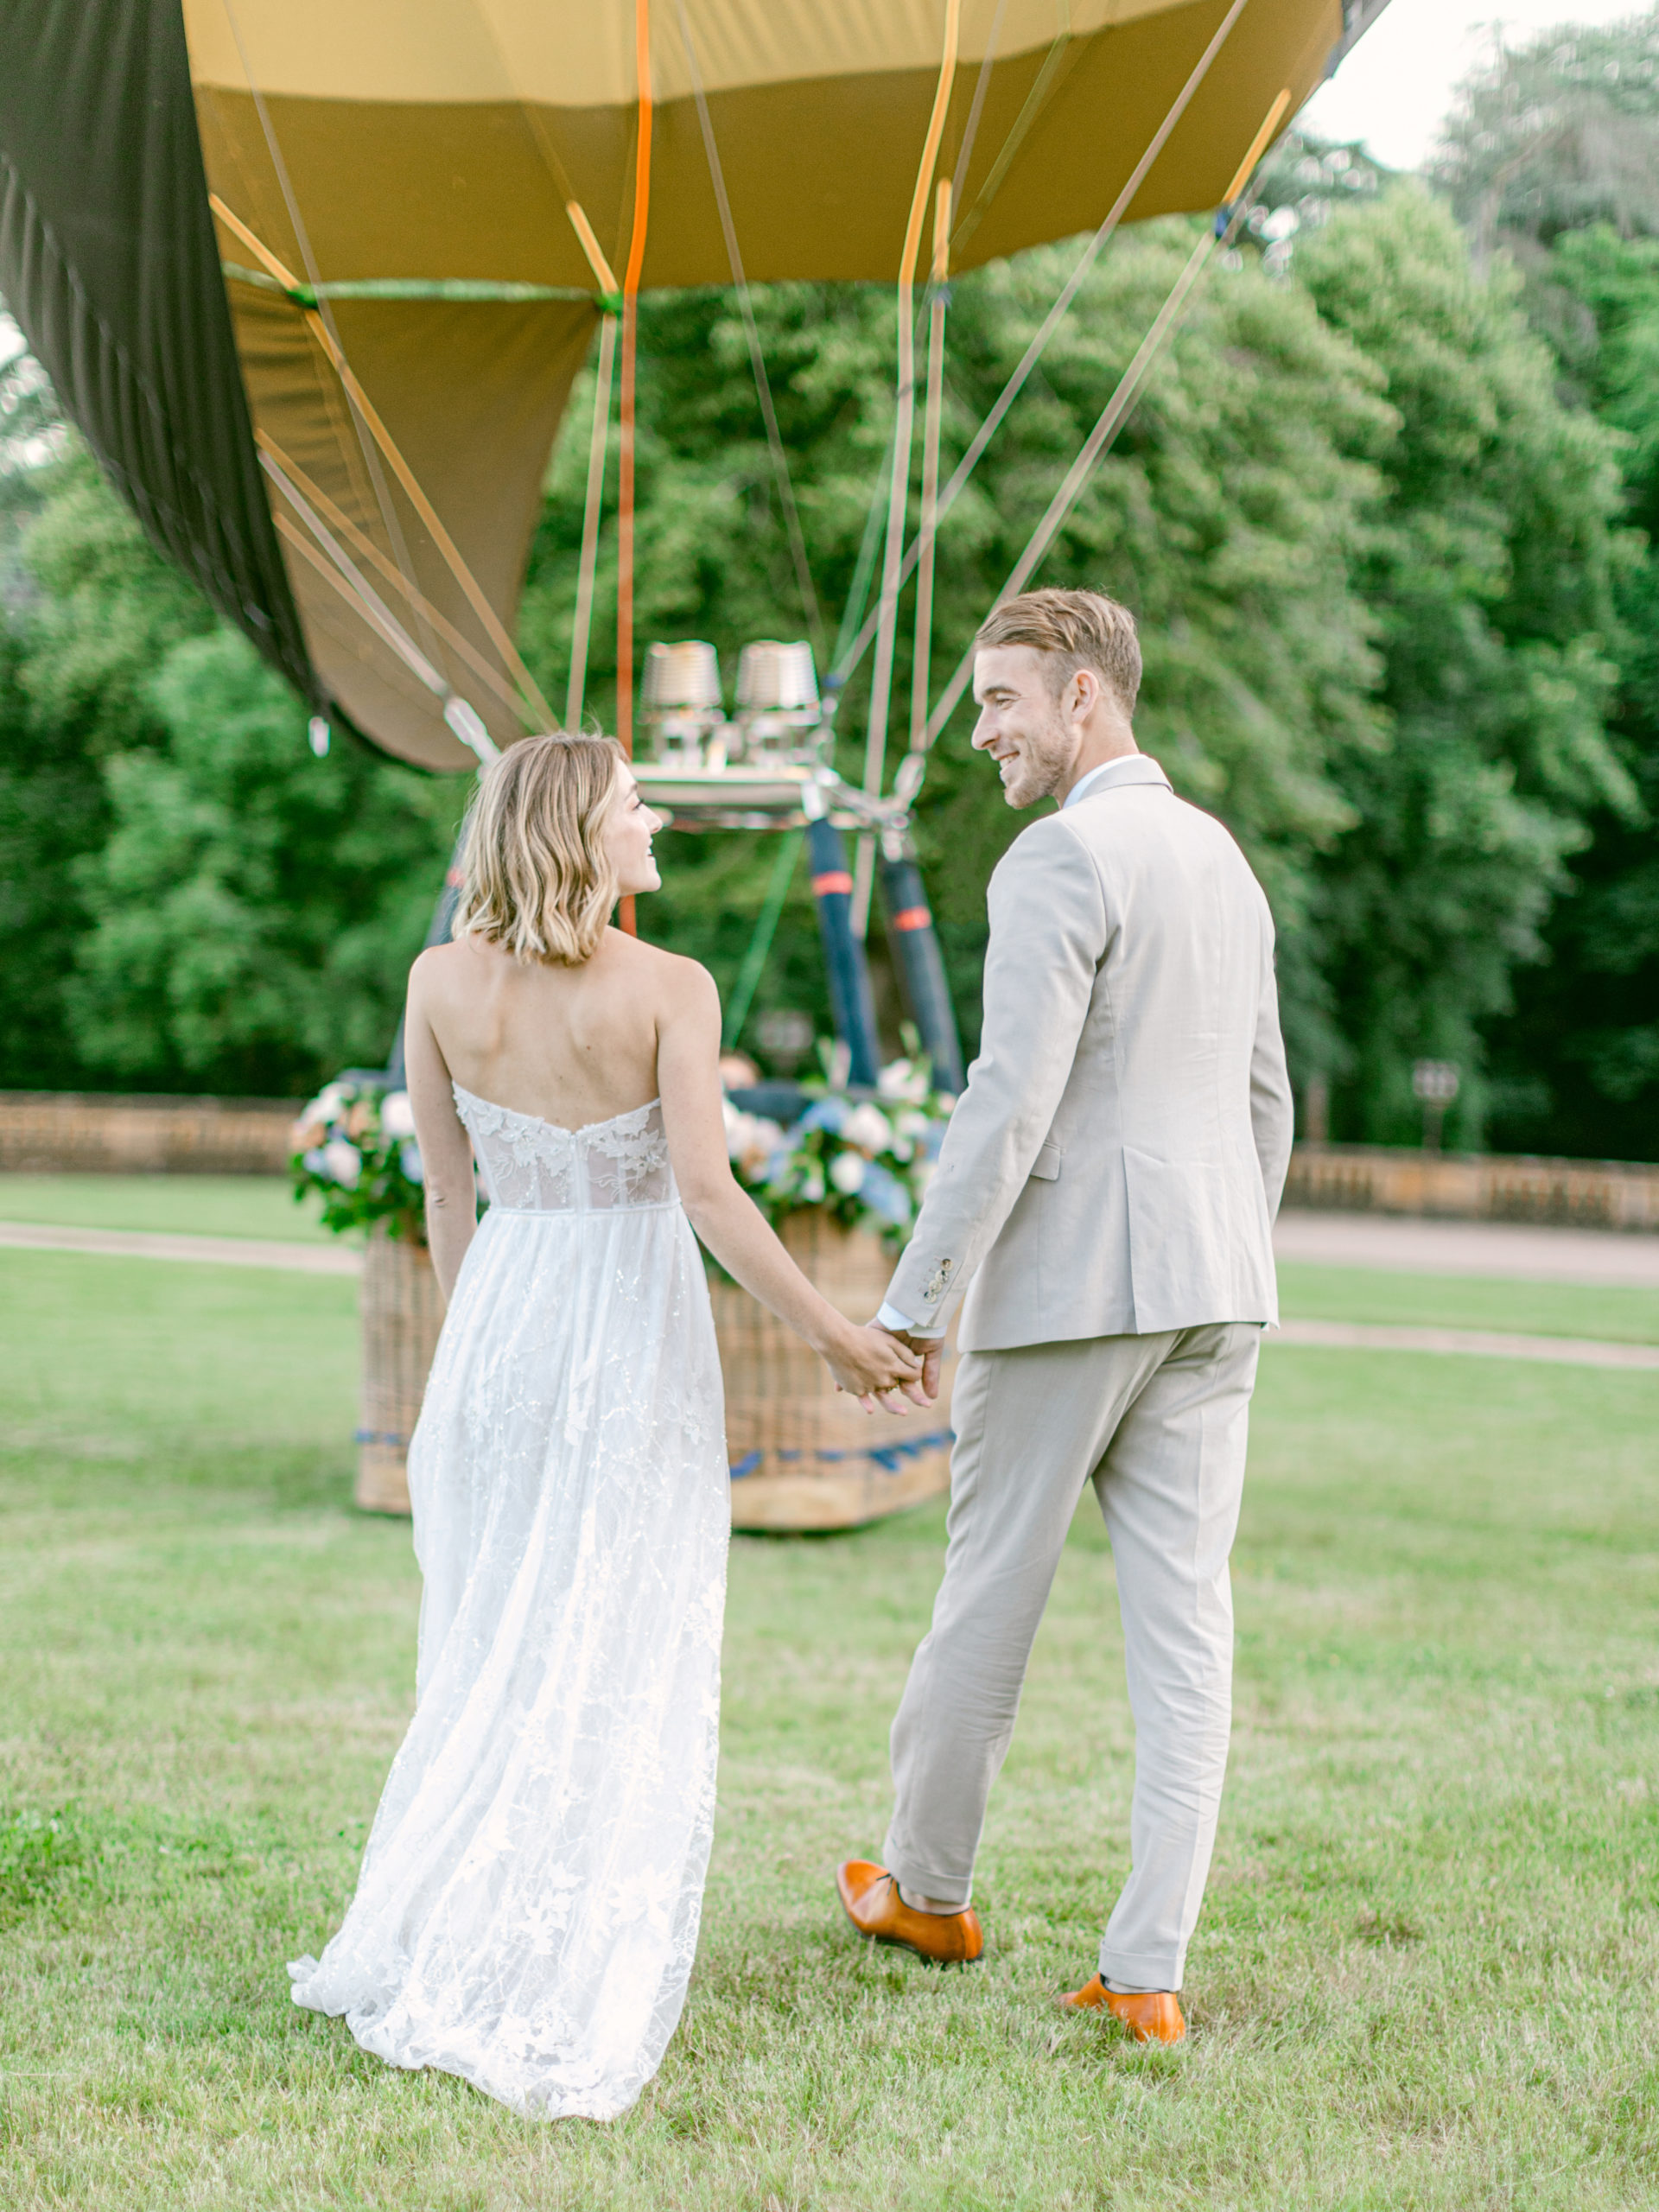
109 264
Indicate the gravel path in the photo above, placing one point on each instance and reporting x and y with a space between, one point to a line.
147 1244
1512 1250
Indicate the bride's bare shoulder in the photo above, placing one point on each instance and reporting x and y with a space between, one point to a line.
671 977
444 968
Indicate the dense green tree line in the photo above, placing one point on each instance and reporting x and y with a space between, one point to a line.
1383 512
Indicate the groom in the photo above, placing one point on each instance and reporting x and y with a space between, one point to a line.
1104 1197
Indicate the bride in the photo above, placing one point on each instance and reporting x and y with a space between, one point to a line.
527 1908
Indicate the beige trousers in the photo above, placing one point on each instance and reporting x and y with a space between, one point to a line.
1159 1424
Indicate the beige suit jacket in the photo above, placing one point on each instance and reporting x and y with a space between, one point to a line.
1116 1161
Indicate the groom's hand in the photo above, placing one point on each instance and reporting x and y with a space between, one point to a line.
930 1350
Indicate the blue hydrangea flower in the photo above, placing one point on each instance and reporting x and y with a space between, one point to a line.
824 1114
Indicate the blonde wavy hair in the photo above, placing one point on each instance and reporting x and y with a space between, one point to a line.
536 878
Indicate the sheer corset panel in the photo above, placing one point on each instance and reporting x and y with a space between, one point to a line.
529 1165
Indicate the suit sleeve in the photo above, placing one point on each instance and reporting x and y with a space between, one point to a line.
1273 1115
1049 934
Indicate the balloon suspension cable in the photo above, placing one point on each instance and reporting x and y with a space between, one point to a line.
765 928
876 744
365 409
598 445
922 651
367 549
322 315
976 106
1049 325
1118 408
361 595
757 358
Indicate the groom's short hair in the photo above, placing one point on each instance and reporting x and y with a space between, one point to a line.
1075 629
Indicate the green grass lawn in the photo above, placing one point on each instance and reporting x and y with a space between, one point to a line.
187 1206
1427 1974
1309 1291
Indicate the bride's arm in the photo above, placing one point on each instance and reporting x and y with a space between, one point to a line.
445 1150
865 1362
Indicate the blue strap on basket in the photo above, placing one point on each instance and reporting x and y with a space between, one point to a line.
888 1457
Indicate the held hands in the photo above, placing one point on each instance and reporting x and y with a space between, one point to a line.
930 1350
875 1368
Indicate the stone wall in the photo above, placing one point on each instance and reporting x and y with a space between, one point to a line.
65 1132
1475 1186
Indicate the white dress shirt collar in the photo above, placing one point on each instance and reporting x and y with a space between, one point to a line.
1127 768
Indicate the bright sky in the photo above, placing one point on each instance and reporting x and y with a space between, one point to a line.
1397 83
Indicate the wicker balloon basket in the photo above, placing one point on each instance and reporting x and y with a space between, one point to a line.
803 1455
401 1313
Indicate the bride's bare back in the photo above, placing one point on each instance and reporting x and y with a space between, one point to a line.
574 1044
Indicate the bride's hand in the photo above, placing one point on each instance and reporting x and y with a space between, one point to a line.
874 1368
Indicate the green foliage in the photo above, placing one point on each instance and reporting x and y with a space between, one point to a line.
1393 611
1559 132
96 614
254 910
366 1172
1583 1048
1489 564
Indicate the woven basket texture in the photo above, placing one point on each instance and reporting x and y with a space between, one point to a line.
803 1455
401 1313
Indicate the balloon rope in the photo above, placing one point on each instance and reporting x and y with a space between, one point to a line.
596 454
875 743
1050 321
391 521
630 344
1117 408
461 716
757 358
923 650
366 547
400 468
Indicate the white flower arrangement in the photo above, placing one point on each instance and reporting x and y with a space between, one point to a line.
355 1143
866 1163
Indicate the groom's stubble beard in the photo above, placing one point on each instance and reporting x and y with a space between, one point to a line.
1047 748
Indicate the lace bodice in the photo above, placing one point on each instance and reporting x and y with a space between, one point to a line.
531 1166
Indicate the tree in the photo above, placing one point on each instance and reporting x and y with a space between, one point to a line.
1557 134
186 896
1490 565
1582 1051
255 910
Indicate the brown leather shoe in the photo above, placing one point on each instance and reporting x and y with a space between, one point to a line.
1150 2015
874 1905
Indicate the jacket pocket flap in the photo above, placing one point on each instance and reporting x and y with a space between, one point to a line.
1047 1168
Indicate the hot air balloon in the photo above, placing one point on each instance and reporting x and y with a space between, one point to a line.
314 277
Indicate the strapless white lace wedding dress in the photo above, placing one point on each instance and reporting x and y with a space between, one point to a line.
527 1908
